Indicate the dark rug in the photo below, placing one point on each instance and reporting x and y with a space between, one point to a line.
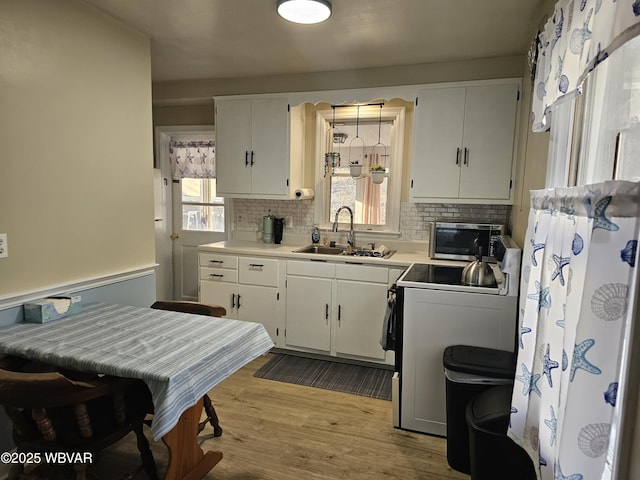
341 377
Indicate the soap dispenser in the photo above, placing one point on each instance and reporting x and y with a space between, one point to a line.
315 235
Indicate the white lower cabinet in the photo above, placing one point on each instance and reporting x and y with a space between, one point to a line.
336 309
246 287
361 308
308 313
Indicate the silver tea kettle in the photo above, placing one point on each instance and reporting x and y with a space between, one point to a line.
478 273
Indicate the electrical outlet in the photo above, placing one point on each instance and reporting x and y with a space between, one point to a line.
4 249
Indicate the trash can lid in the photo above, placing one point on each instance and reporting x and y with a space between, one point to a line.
490 410
480 361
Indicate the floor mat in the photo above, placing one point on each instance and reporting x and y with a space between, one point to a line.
341 377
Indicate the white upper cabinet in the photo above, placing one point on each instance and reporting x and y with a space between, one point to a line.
464 144
254 153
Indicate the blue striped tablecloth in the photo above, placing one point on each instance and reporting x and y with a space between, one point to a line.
180 356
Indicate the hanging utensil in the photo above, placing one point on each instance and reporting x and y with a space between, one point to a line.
379 144
355 166
331 158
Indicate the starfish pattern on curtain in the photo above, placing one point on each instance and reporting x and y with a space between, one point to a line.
578 266
575 40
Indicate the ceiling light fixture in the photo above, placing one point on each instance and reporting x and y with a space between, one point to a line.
304 11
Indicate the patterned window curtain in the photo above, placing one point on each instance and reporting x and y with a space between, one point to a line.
190 159
576 303
577 37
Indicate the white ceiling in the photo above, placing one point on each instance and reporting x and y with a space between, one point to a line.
207 39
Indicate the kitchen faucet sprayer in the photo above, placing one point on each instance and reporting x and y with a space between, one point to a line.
351 238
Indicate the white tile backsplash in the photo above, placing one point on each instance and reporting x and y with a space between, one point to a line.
415 218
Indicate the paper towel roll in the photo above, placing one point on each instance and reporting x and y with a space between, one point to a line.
304 193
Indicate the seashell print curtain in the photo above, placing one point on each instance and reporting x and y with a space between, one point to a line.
577 37
192 159
576 302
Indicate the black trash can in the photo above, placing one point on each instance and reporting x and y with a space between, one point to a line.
469 371
493 454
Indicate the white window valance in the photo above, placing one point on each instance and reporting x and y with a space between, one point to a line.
577 37
192 159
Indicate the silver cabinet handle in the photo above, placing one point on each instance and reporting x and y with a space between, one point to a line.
218 275
252 154
246 158
216 261
233 300
466 156
326 311
458 156
256 265
238 302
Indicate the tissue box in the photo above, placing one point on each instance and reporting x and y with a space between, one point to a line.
52 308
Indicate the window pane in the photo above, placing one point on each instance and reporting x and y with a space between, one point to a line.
200 190
611 132
203 217
367 200
366 143
192 190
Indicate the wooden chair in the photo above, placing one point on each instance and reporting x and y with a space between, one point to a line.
210 311
52 413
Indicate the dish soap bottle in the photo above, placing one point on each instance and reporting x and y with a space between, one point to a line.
315 235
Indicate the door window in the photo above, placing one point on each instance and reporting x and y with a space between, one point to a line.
202 210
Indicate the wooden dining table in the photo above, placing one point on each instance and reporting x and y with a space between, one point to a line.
180 356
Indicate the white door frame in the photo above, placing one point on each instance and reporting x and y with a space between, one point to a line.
164 227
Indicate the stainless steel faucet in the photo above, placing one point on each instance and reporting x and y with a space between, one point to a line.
351 236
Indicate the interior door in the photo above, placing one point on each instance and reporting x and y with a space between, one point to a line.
175 246
185 244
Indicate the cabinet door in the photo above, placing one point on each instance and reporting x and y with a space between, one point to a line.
489 132
233 146
259 304
220 293
361 307
270 140
439 118
308 313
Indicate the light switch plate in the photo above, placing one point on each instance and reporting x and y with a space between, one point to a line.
4 249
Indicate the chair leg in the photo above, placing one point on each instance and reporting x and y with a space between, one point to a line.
81 471
15 472
212 417
145 453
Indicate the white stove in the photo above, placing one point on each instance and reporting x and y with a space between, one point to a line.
436 310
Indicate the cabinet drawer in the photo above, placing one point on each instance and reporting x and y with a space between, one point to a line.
258 271
363 273
218 274
311 269
218 261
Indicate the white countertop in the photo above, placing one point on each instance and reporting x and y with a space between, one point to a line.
402 258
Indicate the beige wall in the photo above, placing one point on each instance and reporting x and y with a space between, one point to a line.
76 191
194 91
531 167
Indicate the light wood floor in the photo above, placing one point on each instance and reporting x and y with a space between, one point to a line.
278 431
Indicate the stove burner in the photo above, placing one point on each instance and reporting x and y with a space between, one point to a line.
437 274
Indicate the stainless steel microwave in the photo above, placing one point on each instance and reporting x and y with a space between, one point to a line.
461 241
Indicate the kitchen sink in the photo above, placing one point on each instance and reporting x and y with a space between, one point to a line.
321 249
325 250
